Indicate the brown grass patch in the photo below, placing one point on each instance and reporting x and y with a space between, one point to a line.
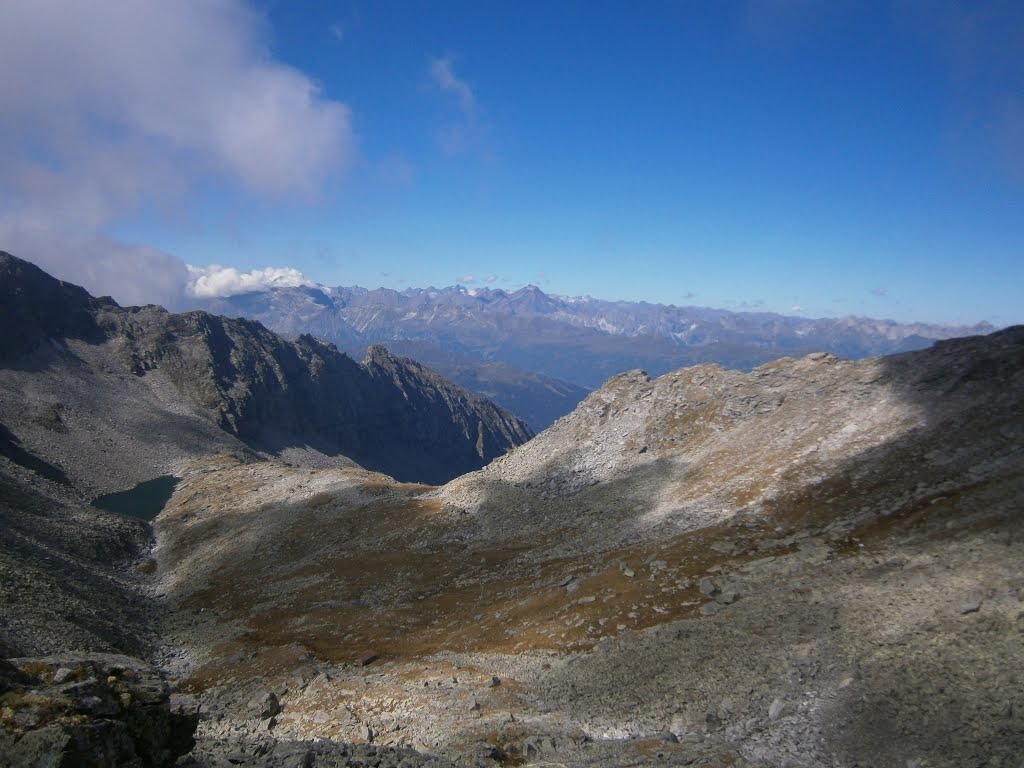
387 577
319 499
413 599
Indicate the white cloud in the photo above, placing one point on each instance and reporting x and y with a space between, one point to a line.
337 32
981 44
109 107
216 281
467 279
443 74
189 77
132 274
467 130
490 278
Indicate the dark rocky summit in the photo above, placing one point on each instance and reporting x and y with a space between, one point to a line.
35 307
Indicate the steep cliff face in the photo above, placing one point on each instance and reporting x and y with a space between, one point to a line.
388 414
484 431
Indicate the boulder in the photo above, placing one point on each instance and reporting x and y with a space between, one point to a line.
115 711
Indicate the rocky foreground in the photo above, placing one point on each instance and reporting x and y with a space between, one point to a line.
99 709
813 564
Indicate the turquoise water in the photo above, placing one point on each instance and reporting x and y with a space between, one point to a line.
144 501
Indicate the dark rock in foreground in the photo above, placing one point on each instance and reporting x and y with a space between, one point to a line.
101 709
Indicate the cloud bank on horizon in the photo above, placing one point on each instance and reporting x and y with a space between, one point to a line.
216 281
134 105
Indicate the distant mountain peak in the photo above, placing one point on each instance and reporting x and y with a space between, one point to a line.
581 340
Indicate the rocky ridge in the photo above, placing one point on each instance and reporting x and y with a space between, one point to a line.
538 399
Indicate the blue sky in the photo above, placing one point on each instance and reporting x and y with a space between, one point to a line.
800 156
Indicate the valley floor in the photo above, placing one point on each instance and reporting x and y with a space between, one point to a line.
896 642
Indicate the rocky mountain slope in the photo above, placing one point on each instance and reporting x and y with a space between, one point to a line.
96 398
67 571
538 399
815 563
579 340
123 393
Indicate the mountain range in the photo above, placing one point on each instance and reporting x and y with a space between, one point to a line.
551 350
811 563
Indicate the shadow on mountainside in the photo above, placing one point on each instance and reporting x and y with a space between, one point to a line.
871 641
384 570
10 446
64 574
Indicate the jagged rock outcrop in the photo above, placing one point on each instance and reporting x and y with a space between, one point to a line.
273 395
101 709
437 403
388 413
538 399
